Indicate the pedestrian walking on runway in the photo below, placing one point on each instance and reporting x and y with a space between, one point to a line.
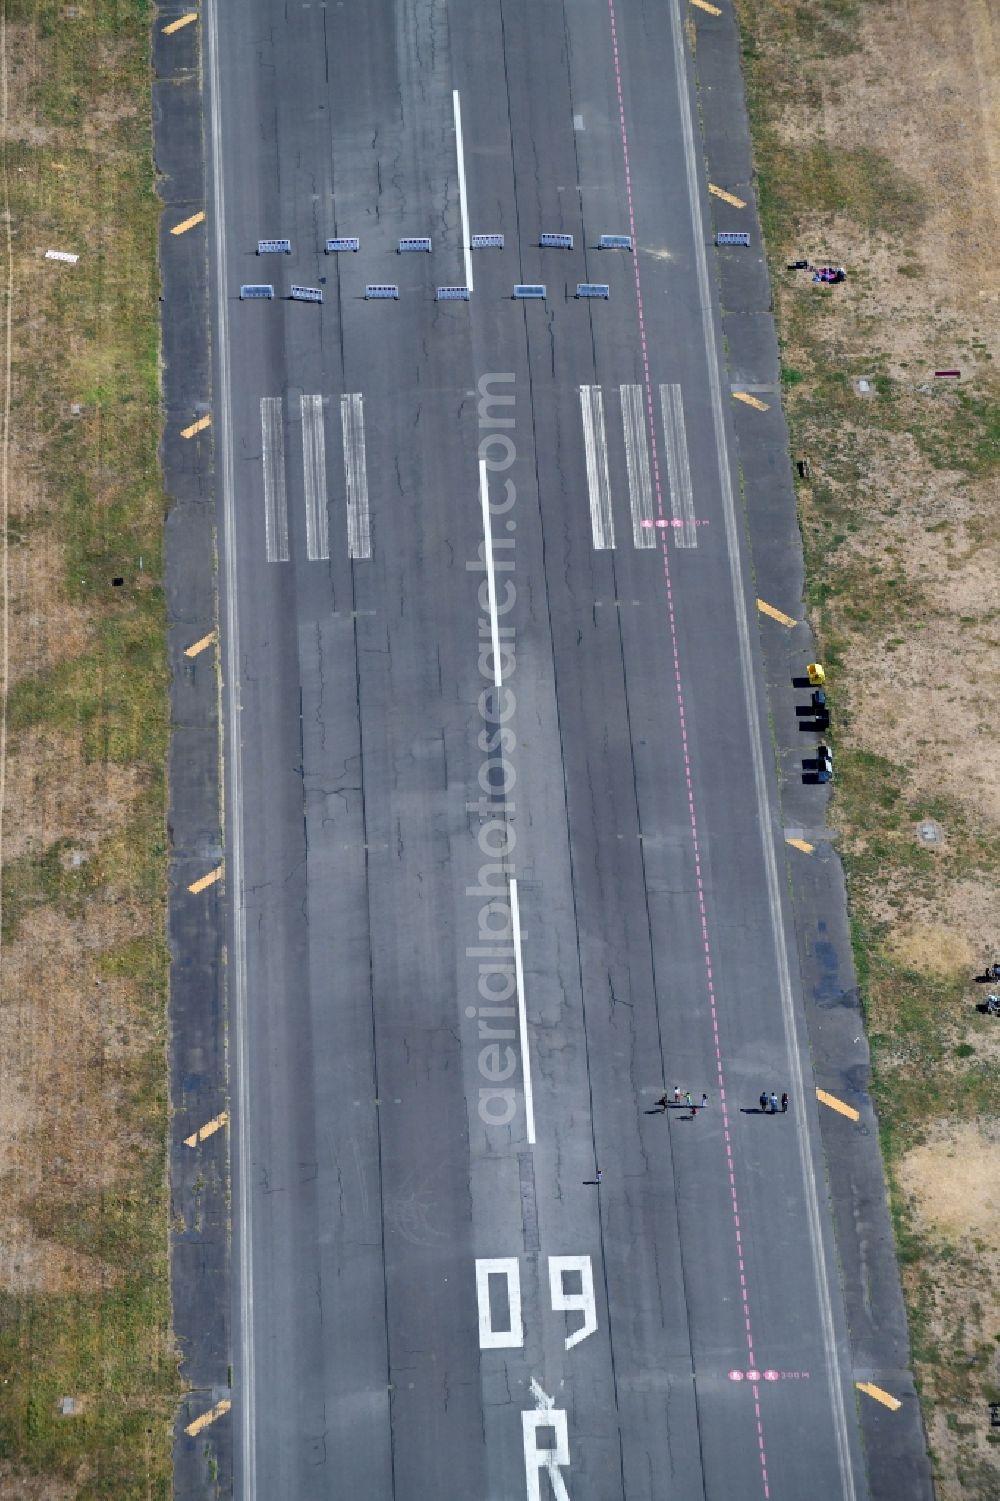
662 1103
784 1104
763 1103
677 1094
688 1101
704 1102
774 1104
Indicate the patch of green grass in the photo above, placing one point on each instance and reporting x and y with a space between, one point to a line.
814 181
114 697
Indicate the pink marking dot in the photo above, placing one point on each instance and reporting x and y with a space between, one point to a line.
753 1374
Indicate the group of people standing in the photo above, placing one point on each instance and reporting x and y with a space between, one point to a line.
680 1097
769 1104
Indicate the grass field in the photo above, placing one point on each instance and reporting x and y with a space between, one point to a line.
875 145
84 1297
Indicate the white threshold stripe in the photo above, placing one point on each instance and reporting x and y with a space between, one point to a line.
678 467
640 486
522 1015
352 421
595 442
491 583
463 198
314 478
769 825
272 443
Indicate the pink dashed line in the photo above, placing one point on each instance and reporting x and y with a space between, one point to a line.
752 1373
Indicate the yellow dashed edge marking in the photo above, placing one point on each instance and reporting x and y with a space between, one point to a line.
778 615
726 197
219 1410
886 1399
750 401
800 844
207 1130
192 15
199 646
713 10
209 880
838 1105
187 224
196 427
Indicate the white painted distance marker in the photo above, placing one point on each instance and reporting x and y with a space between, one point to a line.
463 200
507 1267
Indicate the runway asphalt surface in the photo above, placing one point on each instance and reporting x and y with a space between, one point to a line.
504 842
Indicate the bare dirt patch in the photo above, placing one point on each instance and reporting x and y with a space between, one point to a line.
81 806
933 947
945 1181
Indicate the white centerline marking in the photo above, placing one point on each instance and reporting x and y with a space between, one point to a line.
491 583
463 200
640 486
522 1015
595 442
314 474
352 420
515 911
272 443
678 467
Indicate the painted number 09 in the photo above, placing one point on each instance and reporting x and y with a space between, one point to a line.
511 1335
